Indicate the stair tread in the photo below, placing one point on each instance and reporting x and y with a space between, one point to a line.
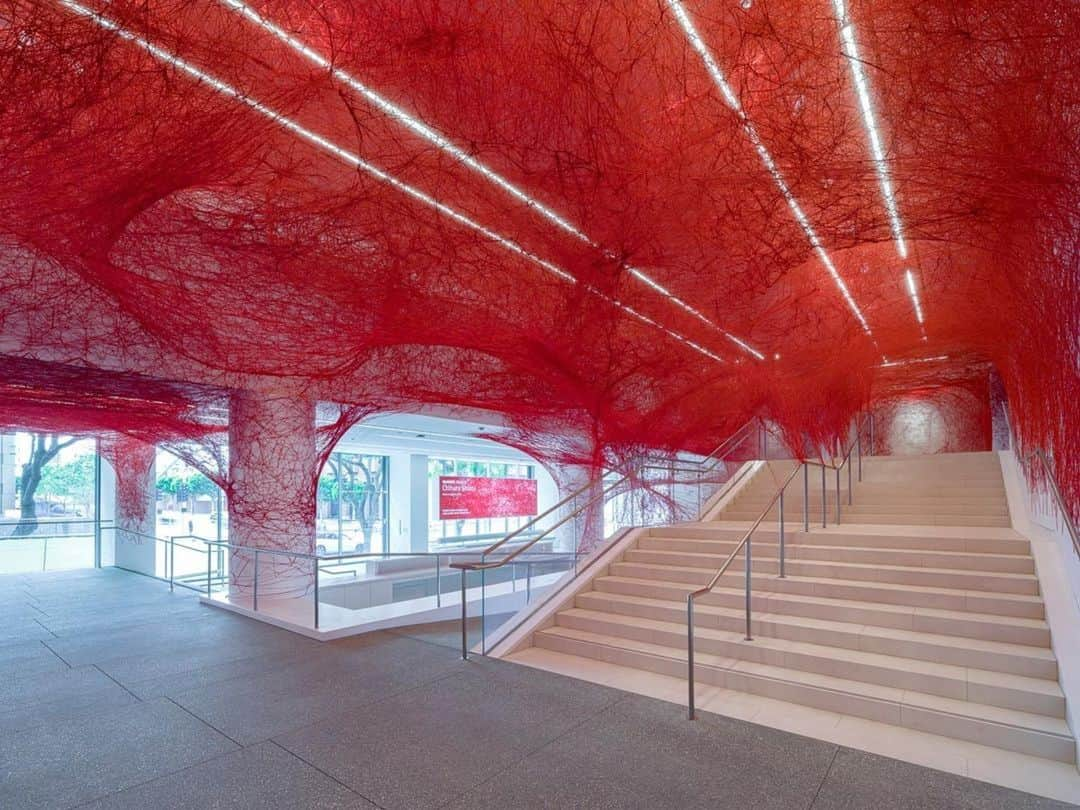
804 541
890 530
965 708
1035 685
1027 651
1018 597
711 560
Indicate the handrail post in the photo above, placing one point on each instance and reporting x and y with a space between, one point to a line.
782 534
690 655
208 562
464 617
172 562
858 445
749 565
438 583
838 494
806 496
255 585
824 499
316 562
849 479
483 611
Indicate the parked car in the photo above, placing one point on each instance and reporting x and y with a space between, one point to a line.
327 543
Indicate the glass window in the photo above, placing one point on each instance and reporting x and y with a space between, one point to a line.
351 511
48 486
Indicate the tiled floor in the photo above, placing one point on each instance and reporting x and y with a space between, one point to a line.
116 694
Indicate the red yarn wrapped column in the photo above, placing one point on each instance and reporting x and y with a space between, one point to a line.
585 531
273 467
132 461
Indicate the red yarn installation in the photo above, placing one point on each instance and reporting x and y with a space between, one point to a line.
131 459
186 197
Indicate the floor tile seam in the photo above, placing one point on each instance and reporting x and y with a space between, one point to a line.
824 777
329 776
48 630
44 643
179 673
362 705
206 723
537 749
136 785
117 682
142 682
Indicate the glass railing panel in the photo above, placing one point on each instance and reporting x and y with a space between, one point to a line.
511 588
46 545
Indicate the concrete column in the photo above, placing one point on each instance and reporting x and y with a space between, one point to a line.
586 530
409 503
272 478
130 478
7 472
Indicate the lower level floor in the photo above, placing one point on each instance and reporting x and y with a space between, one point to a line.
115 693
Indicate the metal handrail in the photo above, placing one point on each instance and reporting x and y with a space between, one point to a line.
745 542
573 495
483 565
736 436
1055 490
47 521
569 498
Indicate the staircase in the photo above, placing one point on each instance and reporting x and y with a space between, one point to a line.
921 609
957 489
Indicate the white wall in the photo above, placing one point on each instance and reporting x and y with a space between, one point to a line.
1035 517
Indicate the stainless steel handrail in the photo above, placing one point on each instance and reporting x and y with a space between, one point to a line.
745 542
645 465
483 565
588 485
737 436
856 443
1055 490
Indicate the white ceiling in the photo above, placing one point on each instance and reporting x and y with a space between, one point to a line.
431 435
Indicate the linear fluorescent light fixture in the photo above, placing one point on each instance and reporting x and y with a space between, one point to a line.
909 279
913 361
850 49
354 160
436 138
732 100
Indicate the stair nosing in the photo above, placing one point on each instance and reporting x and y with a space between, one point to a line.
700 659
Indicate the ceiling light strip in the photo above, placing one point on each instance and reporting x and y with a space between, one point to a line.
356 161
909 279
433 136
732 100
850 49
913 361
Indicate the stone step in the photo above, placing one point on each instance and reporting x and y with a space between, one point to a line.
998 583
961 623
993 506
810 547
875 519
992 541
1014 659
1012 730
1023 606
1007 691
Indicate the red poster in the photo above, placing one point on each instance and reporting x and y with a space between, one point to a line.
466 498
